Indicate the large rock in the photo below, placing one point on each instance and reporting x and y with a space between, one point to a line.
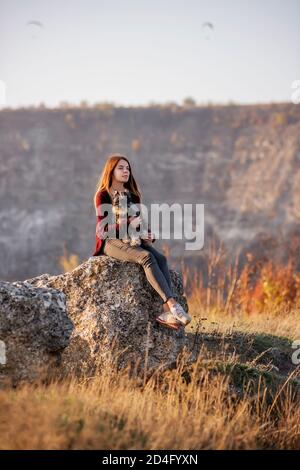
113 308
33 326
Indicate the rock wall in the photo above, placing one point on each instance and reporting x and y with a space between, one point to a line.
241 162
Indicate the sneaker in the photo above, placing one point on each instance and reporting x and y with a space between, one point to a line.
168 320
180 314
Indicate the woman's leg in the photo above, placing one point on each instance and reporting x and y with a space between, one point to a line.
137 254
163 264
161 260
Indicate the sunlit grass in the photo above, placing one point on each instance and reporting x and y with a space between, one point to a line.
235 395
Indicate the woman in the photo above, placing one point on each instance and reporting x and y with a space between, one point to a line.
117 176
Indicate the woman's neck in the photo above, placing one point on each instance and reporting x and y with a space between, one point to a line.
117 186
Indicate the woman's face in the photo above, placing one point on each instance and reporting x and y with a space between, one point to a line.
122 172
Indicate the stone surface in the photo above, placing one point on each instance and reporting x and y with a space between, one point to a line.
33 326
113 308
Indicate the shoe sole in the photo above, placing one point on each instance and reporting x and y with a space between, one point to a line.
173 326
183 322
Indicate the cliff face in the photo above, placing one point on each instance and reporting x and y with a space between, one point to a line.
241 162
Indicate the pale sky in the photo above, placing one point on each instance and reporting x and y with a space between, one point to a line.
135 52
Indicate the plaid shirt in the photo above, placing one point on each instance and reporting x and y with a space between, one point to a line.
102 232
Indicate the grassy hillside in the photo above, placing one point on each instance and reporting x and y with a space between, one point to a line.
235 386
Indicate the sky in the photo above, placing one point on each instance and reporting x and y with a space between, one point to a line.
132 52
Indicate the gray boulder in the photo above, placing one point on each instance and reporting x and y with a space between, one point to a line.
113 308
34 326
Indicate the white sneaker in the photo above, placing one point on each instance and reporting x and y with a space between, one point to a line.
180 314
167 319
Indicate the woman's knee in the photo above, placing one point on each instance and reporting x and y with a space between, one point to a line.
160 257
146 258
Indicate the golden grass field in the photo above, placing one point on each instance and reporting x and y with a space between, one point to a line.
241 393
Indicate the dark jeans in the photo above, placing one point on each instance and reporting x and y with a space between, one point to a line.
154 263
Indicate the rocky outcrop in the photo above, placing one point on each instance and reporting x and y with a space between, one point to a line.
34 325
112 308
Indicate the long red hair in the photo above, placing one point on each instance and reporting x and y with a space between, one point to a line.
105 180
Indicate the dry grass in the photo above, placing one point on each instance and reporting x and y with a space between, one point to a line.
238 394
111 411
67 262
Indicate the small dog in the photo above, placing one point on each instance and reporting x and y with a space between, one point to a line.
119 209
